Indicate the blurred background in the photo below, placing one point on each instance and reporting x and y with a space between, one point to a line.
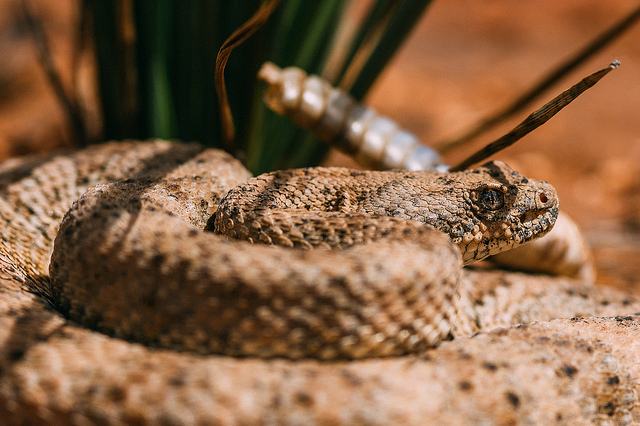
465 60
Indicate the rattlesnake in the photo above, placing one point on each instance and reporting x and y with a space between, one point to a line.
136 233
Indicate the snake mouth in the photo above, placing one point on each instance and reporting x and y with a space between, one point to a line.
530 216
535 223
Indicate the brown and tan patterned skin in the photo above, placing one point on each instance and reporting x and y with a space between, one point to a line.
148 230
131 259
484 211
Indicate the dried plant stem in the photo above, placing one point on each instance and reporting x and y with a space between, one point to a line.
371 40
538 117
79 47
67 100
238 37
580 57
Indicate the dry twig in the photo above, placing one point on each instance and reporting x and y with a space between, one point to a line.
538 117
597 44
68 101
238 37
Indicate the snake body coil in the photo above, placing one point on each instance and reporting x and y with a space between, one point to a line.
132 259
389 291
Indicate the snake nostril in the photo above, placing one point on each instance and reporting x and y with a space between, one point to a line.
543 198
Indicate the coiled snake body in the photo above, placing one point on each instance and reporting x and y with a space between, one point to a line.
132 260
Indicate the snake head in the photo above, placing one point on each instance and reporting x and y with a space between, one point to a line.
506 211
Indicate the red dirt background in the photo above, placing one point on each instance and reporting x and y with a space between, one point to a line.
465 60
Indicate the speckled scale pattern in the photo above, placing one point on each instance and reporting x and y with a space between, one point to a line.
53 371
392 296
166 282
450 202
35 192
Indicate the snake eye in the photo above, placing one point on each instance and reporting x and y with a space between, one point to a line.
491 199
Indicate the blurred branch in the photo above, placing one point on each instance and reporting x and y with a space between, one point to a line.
68 101
79 48
402 20
538 117
367 45
238 37
570 64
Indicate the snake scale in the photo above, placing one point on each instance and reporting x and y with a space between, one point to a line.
138 315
